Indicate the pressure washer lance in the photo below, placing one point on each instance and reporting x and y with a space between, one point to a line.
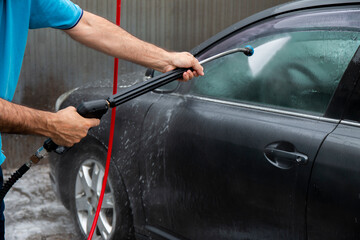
97 108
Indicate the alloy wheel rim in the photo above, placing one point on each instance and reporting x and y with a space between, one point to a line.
87 191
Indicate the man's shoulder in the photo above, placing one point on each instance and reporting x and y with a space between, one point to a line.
61 14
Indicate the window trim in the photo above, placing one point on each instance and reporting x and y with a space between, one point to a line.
259 108
350 123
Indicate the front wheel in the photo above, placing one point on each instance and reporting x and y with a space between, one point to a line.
87 191
115 217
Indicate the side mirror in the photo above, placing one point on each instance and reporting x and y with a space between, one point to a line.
149 73
167 88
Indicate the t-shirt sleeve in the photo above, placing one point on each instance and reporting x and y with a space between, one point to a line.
61 14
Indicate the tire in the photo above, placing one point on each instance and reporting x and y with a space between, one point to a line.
86 165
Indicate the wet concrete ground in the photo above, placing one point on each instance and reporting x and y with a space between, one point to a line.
32 211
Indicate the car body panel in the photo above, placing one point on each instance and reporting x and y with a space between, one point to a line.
195 142
334 191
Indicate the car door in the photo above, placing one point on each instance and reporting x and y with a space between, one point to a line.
333 210
230 155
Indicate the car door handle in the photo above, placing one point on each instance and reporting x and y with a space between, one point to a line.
284 155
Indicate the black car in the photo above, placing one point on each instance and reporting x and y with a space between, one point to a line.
265 147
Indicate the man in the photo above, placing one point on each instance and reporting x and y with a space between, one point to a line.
65 127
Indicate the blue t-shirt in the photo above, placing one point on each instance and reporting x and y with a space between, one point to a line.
16 18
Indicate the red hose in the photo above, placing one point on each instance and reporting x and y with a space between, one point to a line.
111 137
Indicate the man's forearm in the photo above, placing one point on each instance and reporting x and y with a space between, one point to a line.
66 127
98 33
19 119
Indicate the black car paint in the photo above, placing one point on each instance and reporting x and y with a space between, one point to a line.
141 126
334 193
216 175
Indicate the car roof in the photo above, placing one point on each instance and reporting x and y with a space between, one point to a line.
271 12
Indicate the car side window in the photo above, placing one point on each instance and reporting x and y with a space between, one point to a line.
292 69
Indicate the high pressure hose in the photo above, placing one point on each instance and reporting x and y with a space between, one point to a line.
40 154
111 137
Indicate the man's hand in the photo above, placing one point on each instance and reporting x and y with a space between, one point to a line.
100 34
67 127
185 60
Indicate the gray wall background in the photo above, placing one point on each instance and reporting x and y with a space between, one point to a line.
54 63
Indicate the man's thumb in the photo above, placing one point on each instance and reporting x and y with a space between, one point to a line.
94 122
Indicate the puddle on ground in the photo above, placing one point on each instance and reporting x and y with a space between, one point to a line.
33 212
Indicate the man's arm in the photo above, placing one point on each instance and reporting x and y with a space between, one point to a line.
65 127
100 34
